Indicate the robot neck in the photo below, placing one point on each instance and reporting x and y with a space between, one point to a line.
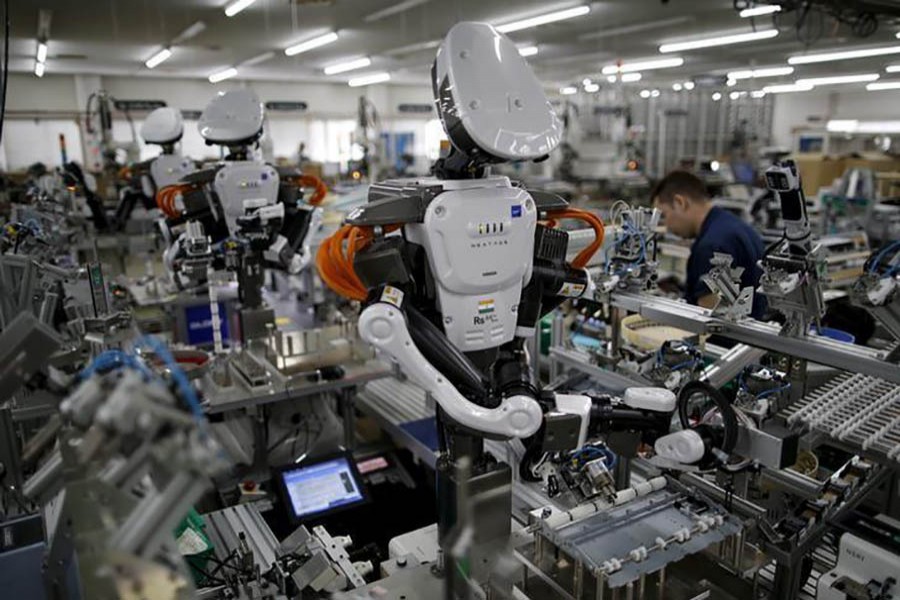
457 165
238 153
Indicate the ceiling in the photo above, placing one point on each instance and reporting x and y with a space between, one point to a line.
109 37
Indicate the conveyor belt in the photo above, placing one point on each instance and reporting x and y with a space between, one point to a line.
858 410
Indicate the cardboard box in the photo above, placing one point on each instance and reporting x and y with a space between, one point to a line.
818 170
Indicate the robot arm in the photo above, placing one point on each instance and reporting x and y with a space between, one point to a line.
784 180
384 325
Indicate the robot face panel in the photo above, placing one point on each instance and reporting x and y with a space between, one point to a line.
162 126
489 100
232 117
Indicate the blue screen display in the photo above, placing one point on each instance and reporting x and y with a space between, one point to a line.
321 487
198 319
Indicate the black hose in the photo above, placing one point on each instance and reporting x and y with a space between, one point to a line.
729 418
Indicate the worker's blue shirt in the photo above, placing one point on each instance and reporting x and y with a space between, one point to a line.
725 233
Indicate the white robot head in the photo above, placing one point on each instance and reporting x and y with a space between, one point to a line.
491 104
232 118
163 126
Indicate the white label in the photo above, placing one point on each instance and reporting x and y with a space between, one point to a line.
571 290
392 295
190 542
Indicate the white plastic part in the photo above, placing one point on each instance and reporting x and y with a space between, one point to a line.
650 398
685 446
168 169
480 246
163 126
243 184
384 326
558 519
486 88
231 117
576 404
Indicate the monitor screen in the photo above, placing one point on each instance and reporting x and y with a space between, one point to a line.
323 486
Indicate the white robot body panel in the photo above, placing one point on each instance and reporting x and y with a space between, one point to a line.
859 563
243 185
163 126
480 247
168 169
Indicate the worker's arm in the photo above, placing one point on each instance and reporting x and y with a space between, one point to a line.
707 301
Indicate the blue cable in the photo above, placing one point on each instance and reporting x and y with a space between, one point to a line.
600 452
111 360
773 391
881 253
178 376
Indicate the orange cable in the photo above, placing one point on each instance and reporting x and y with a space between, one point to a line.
583 257
320 189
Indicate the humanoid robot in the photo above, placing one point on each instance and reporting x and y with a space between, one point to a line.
240 213
455 270
163 127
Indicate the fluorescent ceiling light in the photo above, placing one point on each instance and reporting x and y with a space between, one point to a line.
734 95
677 87
631 77
654 93
413 48
42 52
311 44
259 58
758 73
568 91
722 40
645 65
838 79
350 65
716 97
158 58
688 85
758 11
645 94
39 69
223 75
393 10
192 31
758 93
369 79
591 88
787 88
612 78
636 28
586 81
552 17
883 85
843 55
237 6
528 50
892 69
730 82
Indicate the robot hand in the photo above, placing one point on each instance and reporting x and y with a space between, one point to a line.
384 325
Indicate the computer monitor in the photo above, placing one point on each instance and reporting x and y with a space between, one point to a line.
314 489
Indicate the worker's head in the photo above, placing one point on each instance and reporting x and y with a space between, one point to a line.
683 201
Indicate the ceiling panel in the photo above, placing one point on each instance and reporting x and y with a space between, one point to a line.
115 37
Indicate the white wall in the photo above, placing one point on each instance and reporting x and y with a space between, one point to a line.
41 108
28 93
795 110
